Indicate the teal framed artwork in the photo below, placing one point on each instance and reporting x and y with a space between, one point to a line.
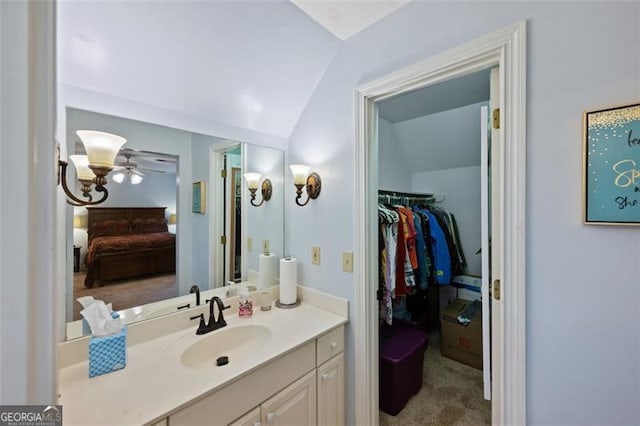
198 201
611 155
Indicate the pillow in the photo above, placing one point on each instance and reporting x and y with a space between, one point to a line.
149 225
109 227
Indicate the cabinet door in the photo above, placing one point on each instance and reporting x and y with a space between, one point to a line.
331 392
252 418
295 405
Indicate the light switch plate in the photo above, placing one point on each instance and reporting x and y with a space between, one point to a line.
249 243
347 261
315 255
265 246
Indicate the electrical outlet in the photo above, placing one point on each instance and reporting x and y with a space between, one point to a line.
315 255
265 246
347 261
249 243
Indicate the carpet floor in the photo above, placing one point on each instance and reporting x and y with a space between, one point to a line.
126 293
451 394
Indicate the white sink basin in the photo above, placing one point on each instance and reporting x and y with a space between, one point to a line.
236 343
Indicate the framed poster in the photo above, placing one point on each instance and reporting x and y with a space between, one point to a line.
198 202
611 156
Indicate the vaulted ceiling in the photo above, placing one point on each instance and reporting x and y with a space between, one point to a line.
248 64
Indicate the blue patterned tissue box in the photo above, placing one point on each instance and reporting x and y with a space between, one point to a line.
108 353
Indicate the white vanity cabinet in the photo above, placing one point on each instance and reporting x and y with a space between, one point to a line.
303 387
331 391
330 377
295 405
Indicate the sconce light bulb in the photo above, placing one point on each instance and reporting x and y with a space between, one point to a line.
101 147
253 180
300 173
81 163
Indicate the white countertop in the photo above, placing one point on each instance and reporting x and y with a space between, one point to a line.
154 383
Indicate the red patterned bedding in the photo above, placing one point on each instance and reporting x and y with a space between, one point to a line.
127 243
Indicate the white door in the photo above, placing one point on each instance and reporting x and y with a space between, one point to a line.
485 221
491 220
495 262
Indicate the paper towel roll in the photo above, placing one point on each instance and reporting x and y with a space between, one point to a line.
288 281
267 270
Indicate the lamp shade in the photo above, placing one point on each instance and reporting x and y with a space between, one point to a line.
101 147
81 162
135 179
173 218
300 173
77 222
253 180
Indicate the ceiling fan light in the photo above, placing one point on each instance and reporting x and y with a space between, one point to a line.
135 179
118 177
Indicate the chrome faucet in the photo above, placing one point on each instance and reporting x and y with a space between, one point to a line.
195 289
213 324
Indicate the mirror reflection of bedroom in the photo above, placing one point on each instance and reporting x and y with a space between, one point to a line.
125 248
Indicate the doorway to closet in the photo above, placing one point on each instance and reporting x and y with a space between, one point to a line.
505 49
434 218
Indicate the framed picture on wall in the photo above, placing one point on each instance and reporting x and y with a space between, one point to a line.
198 202
611 158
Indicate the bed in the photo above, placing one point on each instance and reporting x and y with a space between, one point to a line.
126 242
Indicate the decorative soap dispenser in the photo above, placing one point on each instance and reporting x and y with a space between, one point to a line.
245 304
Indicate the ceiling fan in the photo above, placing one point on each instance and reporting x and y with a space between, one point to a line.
130 170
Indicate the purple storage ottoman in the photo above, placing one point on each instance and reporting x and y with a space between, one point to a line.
402 349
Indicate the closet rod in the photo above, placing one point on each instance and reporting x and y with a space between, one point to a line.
403 194
409 196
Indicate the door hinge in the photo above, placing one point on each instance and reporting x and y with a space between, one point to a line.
223 173
223 239
496 118
496 289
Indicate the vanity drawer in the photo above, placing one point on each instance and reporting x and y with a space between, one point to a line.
329 345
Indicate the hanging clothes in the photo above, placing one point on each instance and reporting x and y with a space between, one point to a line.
440 250
419 247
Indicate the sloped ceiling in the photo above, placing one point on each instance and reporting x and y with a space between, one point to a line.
346 18
438 127
249 64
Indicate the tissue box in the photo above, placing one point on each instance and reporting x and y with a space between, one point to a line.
108 353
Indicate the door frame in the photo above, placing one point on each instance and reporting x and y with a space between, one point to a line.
506 49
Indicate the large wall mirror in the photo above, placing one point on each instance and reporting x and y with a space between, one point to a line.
146 246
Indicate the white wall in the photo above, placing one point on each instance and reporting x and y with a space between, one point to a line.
393 170
461 186
28 217
583 290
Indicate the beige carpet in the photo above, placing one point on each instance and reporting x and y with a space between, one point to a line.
451 394
126 293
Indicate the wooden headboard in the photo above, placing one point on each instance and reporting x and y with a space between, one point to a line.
98 214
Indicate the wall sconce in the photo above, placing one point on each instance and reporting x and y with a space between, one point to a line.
302 178
92 168
253 181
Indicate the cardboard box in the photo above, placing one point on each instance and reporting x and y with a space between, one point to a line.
458 341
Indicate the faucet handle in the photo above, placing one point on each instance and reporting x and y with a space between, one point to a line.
202 327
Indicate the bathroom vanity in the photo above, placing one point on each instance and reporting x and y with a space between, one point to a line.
285 366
